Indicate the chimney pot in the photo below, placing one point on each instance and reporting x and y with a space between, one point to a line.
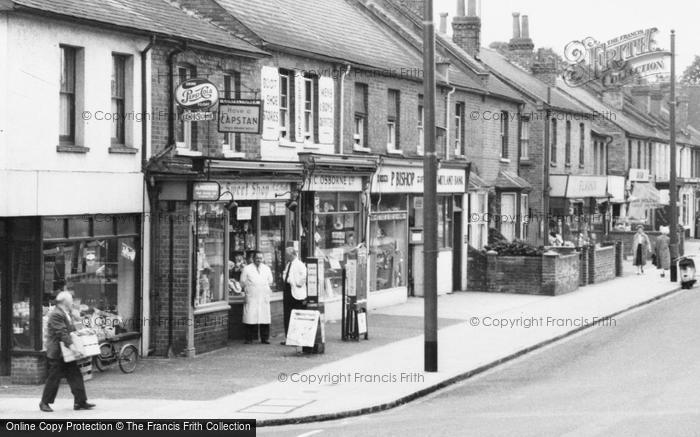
472 8
525 32
516 25
443 23
460 8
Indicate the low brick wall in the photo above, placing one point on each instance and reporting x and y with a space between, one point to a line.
603 263
29 368
627 237
476 270
550 275
210 331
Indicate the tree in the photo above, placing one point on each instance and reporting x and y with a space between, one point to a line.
691 75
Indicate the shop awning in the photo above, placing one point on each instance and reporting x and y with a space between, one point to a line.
579 186
616 189
510 181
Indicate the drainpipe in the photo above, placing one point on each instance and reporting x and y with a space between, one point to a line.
171 96
547 158
144 191
342 108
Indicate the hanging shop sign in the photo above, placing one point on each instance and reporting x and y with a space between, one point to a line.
196 94
206 191
639 175
410 180
240 116
334 183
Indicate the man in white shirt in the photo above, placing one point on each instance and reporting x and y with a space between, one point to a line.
256 280
294 295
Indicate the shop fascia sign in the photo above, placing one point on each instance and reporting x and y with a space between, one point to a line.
616 61
410 180
323 182
196 96
206 191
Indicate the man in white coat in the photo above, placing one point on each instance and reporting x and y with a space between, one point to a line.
294 286
256 280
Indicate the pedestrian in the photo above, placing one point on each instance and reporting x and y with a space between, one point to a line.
58 329
640 248
256 280
663 253
295 293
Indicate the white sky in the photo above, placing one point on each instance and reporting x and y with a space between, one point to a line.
554 23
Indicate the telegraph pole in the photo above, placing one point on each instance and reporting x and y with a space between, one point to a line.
673 189
430 246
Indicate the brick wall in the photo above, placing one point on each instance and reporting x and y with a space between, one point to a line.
603 263
549 275
28 369
627 237
209 66
181 277
210 331
476 270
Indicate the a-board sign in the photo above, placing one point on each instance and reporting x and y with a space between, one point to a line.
302 328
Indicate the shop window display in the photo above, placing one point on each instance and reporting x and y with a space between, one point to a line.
336 224
211 225
388 242
99 270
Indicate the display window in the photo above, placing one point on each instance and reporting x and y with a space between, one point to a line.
445 210
388 241
336 224
257 226
99 265
211 258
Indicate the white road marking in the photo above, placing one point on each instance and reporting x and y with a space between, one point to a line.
310 433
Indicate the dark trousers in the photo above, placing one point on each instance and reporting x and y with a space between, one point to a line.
289 304
251 332
57 370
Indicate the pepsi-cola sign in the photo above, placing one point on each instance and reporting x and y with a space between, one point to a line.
196 94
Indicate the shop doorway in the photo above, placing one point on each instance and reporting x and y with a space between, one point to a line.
457 246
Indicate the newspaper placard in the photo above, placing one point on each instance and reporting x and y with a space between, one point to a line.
302 328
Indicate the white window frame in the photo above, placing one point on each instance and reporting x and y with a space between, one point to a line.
524 217
229 92
308 109
459 129
392 122
525 138
285 109
505 125
186 144
508 225
421 129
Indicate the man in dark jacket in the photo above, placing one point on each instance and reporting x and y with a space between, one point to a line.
58 330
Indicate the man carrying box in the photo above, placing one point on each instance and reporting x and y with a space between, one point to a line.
58 330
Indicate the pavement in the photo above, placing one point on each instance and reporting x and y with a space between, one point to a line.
276 385
637 377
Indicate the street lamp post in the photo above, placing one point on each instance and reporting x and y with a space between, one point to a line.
673 189
430 251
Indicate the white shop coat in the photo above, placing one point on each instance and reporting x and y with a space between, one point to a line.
295 274
256 284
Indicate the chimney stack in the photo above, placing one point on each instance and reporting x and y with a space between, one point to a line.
525 27
466 30
443 23
545 68
516 25
521 49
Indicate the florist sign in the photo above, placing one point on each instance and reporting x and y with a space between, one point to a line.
616 61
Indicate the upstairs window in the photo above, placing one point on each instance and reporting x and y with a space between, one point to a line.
459 129
186 130
118 99
232 90
309 104
421 125
504 134
285 105
66 130
582 145
392 121
361 114
524 138
567 150
553 141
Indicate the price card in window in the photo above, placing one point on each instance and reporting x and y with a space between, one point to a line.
244 213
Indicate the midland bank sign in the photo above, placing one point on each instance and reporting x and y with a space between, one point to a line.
615 62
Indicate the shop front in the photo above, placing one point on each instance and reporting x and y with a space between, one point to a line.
396 230
95 257
576 207
209 228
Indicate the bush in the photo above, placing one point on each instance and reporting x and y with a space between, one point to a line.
496 237
515 248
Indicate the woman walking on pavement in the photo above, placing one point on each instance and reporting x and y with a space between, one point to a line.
663 254
640 248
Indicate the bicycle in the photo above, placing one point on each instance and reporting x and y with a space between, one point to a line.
127 357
